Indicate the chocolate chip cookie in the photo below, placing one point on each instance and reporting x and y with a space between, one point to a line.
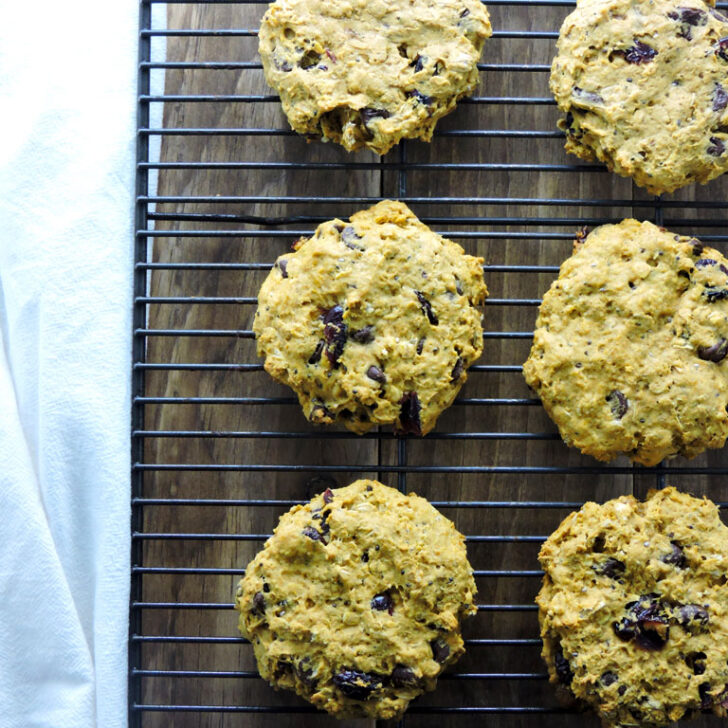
356 600
644 86
630 341
634 608
368 73
372 321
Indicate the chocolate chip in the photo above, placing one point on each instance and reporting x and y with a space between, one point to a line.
704 262
647 624
688 17
598 544
420 346
588 97
720 98
282 264
716 148
706 700
653 636
696 662
409 414
622 689
355 684
363 336
722 49
335 332
376 374
367 114
697 247
618 403
613 568
258 603
715 353
713 294
427 308
638 54
676 557
305 675
266 588
338 227
309 60
419 97
328 495
312 533
625 629
383 603
457 370
417 63
563 669
692 615
403 677
608 678
316 356
349 235
440 650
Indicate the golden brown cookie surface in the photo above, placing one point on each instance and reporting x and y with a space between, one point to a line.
630 341
634 608
373 322
644 86
356 600
366 73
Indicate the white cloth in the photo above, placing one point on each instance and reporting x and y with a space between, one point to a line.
67 93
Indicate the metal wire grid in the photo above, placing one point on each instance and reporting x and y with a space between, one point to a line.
673 212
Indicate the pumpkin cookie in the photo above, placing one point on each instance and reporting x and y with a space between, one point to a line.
355 602
372 322
644 86
634 608
367 74
630 341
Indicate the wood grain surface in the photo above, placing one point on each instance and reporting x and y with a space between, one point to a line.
240 229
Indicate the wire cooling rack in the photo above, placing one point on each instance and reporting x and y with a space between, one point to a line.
219 451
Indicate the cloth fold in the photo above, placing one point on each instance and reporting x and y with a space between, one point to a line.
67 86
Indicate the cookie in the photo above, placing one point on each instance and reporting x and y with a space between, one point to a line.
372 322
644 86
356 600
628 352
367 74
634 608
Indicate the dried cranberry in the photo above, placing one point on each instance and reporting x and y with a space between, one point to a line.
328 495
316 356
608 678
688 17
376 374
563 668
403 677
676 557
464 13
704 262
355 684
409 414
626 629
363 336
335 332
383 603
613 568
282 264
618 403
440 650
653 635
715 353
457 370
417 63
258 603
720 98
696 662
312 533
427 308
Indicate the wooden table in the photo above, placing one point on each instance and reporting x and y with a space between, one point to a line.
237 236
